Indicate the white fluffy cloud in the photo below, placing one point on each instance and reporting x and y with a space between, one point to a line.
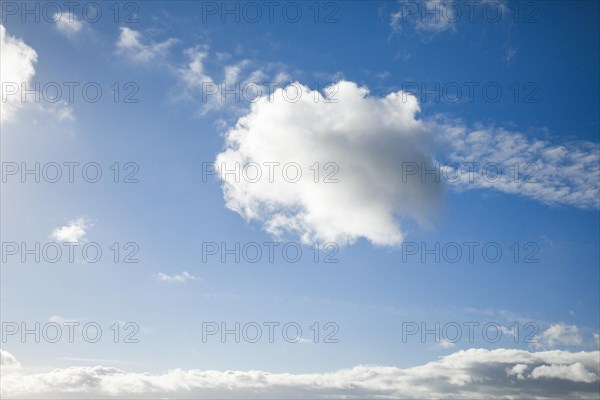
17 70
560 335
73 232
8 363
17 66
367 138
474 373
182 277
131 44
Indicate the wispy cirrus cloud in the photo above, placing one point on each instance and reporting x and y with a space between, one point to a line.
133 45
215 79
68 23
181 278
426 17
553 172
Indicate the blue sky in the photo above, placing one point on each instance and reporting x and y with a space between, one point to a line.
549 58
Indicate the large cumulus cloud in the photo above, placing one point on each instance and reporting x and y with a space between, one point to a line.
368 138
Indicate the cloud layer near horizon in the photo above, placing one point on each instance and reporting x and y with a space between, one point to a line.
473 373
